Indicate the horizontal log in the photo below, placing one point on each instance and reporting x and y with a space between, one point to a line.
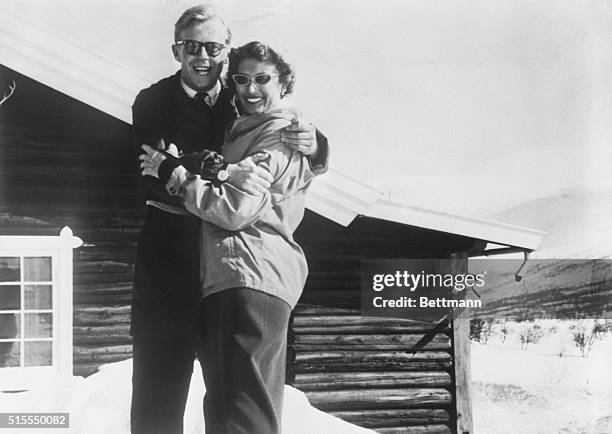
100 354
357 329
104 311
340 320
103 299
102 277
426 429
367 342
11 224
367 367
128 220
101 267
368 361
325 257
104 286
378 398
101 330
101 358
121 234
83 216
315 309
116 251
111 349
330 356
358 325
317 267
348 303
390 418
322 289
346 380
97 316
337 274
103 340
100 335
80 320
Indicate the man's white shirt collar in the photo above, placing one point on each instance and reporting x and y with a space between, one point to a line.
212 94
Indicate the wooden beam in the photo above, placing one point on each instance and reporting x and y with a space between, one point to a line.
461 349
371 399
319 381
393 417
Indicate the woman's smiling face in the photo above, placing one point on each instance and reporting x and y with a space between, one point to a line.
258 98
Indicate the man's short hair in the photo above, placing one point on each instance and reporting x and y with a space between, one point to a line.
200 14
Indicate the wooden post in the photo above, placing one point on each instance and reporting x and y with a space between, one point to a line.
461 349
64 309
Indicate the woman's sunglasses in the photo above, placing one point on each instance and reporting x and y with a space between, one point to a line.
193 48
259 79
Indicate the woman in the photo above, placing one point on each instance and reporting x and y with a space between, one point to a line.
253 272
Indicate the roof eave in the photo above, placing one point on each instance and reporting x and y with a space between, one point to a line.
480 229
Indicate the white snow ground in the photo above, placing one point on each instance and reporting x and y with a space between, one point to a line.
100 404
536 391
514 391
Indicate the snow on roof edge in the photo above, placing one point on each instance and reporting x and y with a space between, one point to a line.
486 230
61 64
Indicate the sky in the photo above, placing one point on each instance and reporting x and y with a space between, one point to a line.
467 107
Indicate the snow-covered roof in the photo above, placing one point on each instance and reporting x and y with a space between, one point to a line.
54 60
341 198
51 59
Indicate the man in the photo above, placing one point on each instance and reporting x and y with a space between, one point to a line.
189 110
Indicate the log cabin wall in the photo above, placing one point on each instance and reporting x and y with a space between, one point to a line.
366 370
65 163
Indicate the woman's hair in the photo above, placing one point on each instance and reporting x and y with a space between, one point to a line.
263 53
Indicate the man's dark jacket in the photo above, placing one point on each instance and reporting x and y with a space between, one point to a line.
166 282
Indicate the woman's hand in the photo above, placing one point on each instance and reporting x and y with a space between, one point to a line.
248 176
150 161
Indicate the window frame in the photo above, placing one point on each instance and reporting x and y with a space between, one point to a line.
59 248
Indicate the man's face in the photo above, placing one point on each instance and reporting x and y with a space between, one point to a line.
201 71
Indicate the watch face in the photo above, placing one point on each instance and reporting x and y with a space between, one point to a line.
222 175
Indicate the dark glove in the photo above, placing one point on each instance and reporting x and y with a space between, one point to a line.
207 164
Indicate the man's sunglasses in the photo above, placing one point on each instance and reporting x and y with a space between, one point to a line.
260 79
193 48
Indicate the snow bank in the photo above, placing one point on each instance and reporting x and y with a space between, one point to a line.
536 391
100 404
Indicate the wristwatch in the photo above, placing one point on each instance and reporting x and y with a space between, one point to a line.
223 175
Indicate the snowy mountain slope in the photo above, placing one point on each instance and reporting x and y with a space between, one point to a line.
566 277
578 223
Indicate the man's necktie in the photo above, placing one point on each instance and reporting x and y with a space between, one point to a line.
201 98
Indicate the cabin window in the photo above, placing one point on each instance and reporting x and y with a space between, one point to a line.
35 309
26 311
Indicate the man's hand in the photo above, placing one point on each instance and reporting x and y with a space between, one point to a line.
150 161
300 136
172 150
249 177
